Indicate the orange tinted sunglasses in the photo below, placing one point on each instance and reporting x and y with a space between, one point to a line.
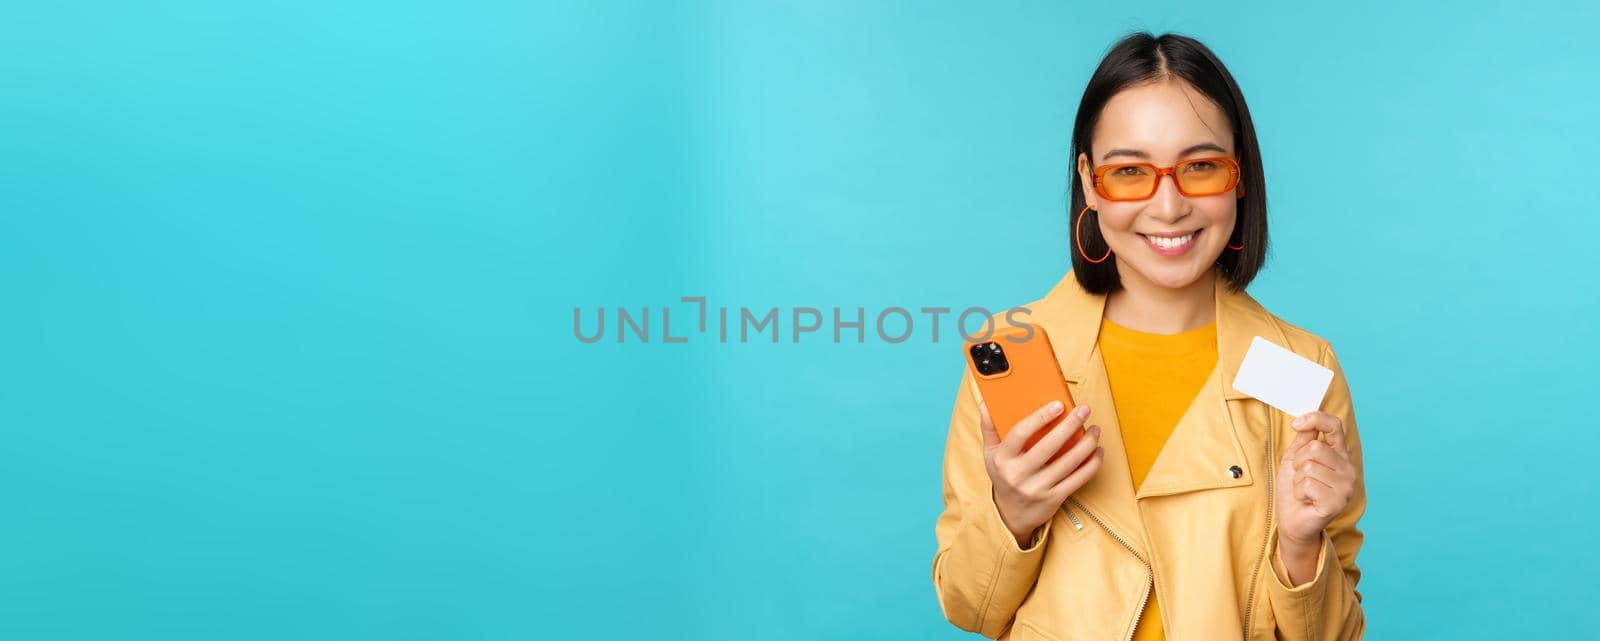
1194 177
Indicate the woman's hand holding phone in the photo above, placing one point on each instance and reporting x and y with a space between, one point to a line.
1028 486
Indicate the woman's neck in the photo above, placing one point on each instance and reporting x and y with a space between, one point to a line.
1147 307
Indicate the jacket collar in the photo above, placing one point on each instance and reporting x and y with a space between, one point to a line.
1207 441
1239 319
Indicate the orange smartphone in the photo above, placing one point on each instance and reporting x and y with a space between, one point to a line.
1017 374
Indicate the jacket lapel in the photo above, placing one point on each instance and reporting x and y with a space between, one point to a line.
1205 443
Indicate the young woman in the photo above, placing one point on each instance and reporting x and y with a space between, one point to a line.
1190 510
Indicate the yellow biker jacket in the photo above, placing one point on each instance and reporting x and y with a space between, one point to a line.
1198 535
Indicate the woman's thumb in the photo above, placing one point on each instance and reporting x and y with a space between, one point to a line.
991 439
1300 439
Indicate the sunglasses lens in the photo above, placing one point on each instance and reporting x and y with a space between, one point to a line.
1199 177
1129 181
1205 177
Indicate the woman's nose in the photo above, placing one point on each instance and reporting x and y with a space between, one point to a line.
1167 203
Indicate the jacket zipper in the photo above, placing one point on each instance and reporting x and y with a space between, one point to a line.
1271 472
1149 573
1076 524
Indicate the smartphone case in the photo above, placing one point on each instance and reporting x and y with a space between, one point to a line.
1032 380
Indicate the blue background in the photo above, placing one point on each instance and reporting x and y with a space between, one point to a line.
287 338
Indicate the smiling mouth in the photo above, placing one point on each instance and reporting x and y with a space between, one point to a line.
1172 244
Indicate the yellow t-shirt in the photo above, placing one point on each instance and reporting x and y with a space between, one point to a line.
1154 378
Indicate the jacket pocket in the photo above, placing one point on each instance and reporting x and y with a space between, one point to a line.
1089 585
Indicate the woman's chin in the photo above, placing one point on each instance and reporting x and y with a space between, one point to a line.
1174 276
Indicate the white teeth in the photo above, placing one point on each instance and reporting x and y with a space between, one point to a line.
1170 243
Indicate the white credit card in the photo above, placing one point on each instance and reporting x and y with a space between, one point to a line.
1281 378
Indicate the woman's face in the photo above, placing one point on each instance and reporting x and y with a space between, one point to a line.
1161 123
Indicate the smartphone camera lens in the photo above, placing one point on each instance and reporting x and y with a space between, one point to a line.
989 358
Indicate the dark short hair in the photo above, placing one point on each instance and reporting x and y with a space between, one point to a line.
1142 58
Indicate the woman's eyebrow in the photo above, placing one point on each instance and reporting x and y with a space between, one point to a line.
1205 146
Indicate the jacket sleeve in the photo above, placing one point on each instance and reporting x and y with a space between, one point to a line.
980 573
1328 607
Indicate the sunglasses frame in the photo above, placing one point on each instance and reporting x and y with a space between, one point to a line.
1101 171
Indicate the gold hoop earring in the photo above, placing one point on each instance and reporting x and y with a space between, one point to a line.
1077 239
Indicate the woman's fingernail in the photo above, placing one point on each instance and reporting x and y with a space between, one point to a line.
1083 410
1095 429
1299 421
1055 407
